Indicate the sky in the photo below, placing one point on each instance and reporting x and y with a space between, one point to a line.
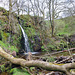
4 3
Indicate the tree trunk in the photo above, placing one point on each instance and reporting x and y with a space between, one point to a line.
52 17
10 10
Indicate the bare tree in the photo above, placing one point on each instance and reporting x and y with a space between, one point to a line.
69 7
51 14
10 13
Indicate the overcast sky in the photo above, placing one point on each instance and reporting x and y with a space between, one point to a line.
4 3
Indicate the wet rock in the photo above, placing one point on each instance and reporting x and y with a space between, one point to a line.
36 43
0 36
71 40
14 53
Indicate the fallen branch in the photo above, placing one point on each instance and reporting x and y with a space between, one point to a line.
62 51
64 60
45 65
50 54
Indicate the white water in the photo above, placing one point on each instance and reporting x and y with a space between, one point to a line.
26 43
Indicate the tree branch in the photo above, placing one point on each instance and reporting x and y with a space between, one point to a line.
45 65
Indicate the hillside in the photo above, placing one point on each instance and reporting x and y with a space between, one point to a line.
9 41
37 30
39 40
66 25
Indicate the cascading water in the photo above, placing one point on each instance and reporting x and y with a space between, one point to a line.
26 43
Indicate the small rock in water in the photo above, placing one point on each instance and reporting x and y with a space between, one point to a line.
14 53
29 57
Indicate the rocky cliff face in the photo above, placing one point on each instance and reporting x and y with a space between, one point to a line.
12 33
33 26
36 43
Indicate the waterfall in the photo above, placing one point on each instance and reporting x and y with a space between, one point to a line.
26 43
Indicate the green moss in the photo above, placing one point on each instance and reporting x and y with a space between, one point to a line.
6 13
13 48
30 32
4 36
2 9
16 39
2 68
17 71
2 22
7 46
51 59
43 49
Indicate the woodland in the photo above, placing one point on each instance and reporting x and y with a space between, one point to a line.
37 37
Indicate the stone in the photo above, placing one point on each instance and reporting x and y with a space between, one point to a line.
14 53
36 43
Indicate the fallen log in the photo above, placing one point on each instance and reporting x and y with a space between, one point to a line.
36 63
